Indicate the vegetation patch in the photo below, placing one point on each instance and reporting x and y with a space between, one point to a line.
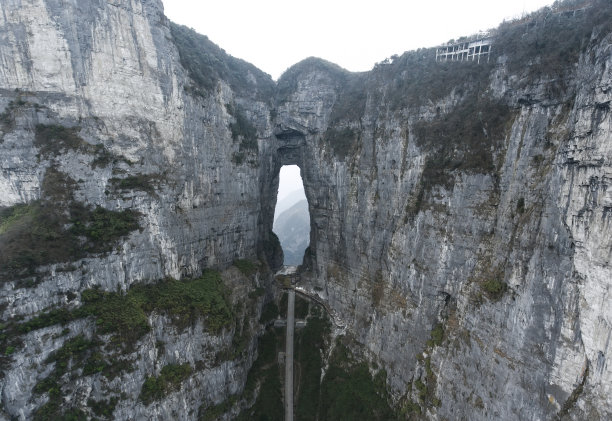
207 64
238 158
520 206
9 216
101 227
494 288
265 374
247 267
288 82
242 129
415 79
436 336
425 385
125 315
422 388
301 308
310 345
94 364
10 342
142 182
269 313
36 234
57 229
548 42
7 117
463 139
351 102
53 410
115 366
171 376
54 140
32 235
410 409
51 318
214 412
268 405
342 141
71 354
186 301
104 408
115 313
257 292
240 339
69 357
349 392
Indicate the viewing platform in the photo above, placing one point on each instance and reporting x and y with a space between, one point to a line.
479 48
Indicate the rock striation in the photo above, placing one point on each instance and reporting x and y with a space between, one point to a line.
460 213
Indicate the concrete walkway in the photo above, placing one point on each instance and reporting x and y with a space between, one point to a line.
289 355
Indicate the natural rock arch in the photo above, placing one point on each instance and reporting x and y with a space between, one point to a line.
286 147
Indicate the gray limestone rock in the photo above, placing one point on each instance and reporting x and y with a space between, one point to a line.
460 231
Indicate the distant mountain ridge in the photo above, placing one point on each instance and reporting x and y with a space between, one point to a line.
288 201
293 230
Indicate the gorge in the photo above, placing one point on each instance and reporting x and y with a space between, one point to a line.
460 220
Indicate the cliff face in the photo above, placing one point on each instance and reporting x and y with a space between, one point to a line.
460 214
94 95
464 237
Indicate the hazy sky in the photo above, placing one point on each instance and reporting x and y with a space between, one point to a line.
289 180
275 34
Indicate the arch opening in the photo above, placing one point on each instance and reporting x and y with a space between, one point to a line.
291 216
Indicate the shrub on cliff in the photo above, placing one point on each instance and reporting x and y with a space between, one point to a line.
41 233
125 315
57 229
206 64
171 376
494 288
549 41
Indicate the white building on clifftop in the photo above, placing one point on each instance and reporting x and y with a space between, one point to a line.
479 47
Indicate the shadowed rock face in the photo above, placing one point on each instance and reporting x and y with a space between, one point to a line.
469 201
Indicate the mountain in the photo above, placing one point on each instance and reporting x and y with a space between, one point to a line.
293 230
288 201
459 257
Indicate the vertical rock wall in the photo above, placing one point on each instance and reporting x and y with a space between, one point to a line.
463 237
110 73
496 258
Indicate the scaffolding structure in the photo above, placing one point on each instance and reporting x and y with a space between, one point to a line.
474 50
